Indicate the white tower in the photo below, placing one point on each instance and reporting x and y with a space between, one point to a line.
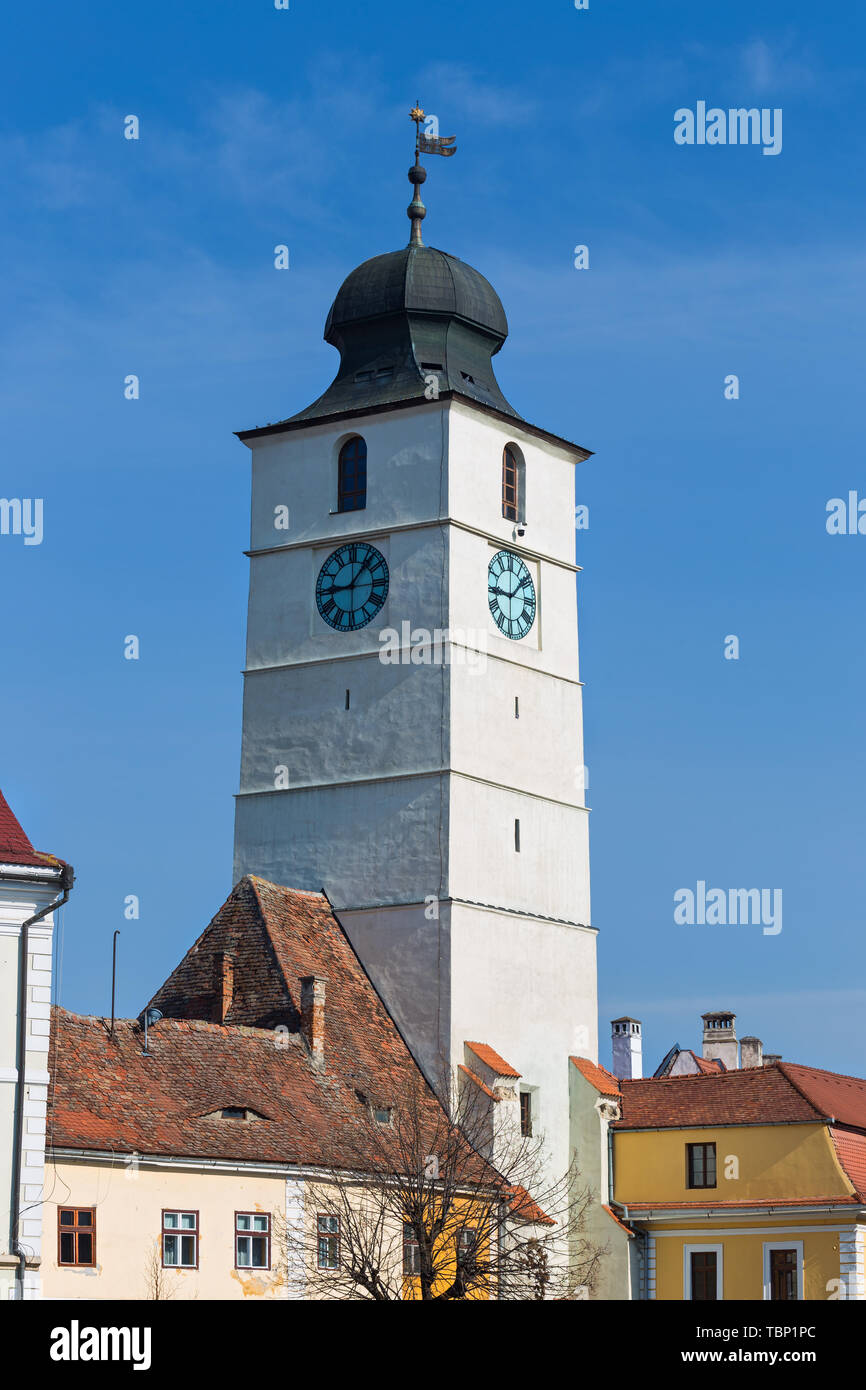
412 729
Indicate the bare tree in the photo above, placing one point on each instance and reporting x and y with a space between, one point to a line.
441 1197
159 1286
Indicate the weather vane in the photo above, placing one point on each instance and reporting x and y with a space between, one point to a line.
424 144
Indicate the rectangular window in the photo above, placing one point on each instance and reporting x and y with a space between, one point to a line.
782 1266
526 1114
252 1240
467 1248
411 1250
328 1238
701 1165
517 836
180 1239
76 1236
704 1272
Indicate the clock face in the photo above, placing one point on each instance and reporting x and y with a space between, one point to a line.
352 586
511 594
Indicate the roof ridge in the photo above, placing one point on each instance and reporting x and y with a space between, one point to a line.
824 1071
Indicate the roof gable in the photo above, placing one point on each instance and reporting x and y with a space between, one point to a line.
15 846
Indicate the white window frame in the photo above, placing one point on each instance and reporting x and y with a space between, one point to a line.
688 1251
769 1246
178 1232
247 1237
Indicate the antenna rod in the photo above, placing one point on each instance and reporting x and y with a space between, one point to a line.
113 978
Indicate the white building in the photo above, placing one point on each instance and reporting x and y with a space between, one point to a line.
412 728
32 887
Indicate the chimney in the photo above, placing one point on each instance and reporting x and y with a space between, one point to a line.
224 983
770 1058
720 1037
751 1053
313 1015
627 1048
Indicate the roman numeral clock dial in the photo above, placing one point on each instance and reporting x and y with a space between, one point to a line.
352 586
511 594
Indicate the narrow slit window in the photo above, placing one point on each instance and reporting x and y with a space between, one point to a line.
516 707
517 835
352 470
513 486
347 699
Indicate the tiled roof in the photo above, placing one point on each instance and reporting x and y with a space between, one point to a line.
597 1076
107 1095
851 1153
759 1095
492 1059
527 1209
482 1086
843 1097
613 1216
15 847
708 1066
759 1202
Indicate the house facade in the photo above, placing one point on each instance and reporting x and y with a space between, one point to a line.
746 1183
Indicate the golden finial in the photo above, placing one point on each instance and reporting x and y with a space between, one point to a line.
416 114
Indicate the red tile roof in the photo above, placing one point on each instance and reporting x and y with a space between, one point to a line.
760 1202
759 1095
492 1059
107 1095
15 847
843 1097
482 1086
597 1076
708 1066
851 1153
527 1209
612 1214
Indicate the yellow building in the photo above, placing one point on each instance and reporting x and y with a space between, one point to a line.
746 1184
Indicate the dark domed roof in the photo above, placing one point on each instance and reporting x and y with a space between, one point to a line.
417 279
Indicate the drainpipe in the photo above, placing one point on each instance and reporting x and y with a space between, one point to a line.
67 878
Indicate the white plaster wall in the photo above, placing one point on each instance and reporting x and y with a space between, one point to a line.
528 989
548 876
476 442
298 469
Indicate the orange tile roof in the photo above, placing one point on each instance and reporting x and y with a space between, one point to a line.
612 1214
708 1066
478 1082
760 1095
760 1202
843 1097
492 1059
597 1076
527 1209
851 1153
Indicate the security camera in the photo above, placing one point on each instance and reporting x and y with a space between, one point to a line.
520 529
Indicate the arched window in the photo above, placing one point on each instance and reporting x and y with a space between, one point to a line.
352 471
513 485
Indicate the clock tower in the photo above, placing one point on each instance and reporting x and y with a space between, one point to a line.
412 726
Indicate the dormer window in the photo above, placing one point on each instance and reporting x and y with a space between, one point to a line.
382 1114
231 1112
352 476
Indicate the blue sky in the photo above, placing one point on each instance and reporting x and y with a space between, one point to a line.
707 516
